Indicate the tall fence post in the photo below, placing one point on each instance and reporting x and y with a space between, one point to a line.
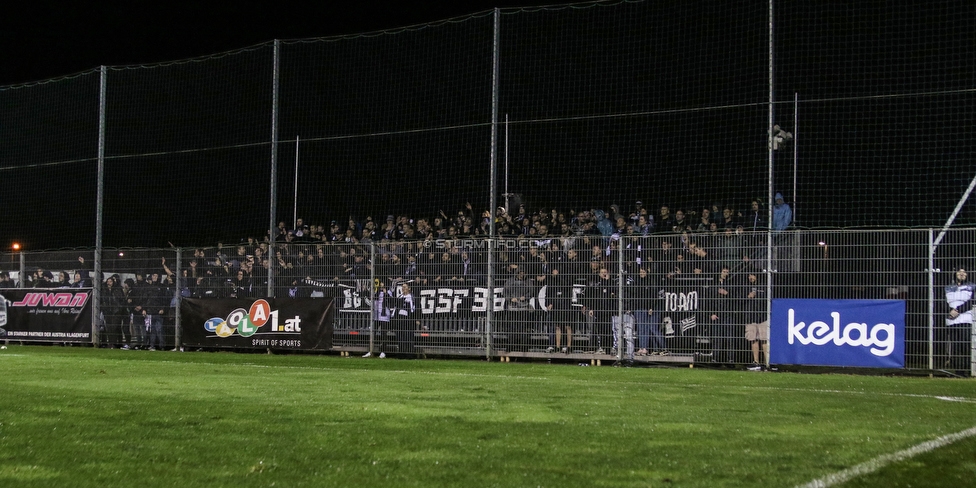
294 205
273 181
99 207
769 286
179 299
972 350
372 296
490 312
620 298
493 184
931 270
22 263
770 190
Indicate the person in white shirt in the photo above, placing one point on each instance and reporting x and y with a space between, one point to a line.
958 321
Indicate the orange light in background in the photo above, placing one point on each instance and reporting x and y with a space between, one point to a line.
16 246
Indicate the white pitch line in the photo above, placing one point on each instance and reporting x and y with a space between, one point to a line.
954 399
886 459
867 393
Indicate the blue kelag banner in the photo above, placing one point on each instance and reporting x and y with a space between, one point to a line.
862 333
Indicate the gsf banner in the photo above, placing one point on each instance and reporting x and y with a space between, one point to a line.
49 315
452 300
862 333
279 323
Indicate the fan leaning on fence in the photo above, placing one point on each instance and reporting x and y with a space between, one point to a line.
959 319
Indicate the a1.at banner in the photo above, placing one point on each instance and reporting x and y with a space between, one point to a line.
282 323
46 315
861 333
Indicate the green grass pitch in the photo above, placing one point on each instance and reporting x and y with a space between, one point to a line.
95 417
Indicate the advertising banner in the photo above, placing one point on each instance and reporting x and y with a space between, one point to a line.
437 299
861 333
682 302
282 323
46 315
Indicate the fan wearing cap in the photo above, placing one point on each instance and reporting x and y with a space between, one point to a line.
959 319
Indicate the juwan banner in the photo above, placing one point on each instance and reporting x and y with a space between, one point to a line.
46 315
861 333
282 323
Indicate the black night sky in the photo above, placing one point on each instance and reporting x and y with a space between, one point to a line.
606 105
47 39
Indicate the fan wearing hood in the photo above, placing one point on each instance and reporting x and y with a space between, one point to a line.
602 223
782 214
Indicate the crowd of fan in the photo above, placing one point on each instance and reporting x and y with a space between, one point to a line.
550 247
544 222
308 255
311 253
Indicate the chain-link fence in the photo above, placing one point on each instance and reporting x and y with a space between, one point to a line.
694 298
